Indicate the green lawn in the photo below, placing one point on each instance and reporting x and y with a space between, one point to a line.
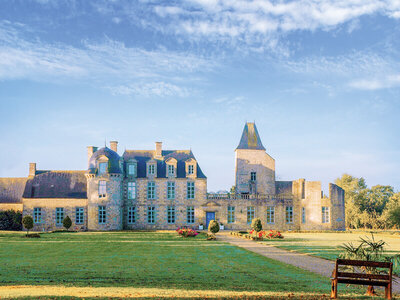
143 259
326 245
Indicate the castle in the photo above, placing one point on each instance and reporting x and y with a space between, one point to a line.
166 189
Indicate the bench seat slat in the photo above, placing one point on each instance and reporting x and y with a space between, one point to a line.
361 263
362 275
362 282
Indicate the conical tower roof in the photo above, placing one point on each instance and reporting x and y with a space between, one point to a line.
250 138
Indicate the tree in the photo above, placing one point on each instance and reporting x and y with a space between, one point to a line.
213 227
27 221
10 220
256 224
391 213
67 223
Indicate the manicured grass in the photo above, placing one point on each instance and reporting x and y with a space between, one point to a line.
151 260
326 245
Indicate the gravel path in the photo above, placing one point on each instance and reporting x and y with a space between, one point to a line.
313 264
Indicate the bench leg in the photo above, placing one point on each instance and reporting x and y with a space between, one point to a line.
334 289
388 291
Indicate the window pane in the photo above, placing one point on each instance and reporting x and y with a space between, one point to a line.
59 215
131 169
190 169
250 214
131 215
190 214
171 214
103 167
171 190
151 210
102 214
231 214
131 190
190 190
270 214
37 215
102 188
79 215
289 214
151 192
303 215
253 176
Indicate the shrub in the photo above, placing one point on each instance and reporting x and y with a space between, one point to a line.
33 235
27 221
263 234
10 220
187 232
256 224
213 226
67 223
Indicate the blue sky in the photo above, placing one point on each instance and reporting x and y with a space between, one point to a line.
321 79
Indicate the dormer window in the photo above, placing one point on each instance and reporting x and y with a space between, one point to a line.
190 169
151 169
171 170
131 170
253 176
103 168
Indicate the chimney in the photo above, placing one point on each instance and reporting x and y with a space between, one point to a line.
114 146
32 169
90 151
158 150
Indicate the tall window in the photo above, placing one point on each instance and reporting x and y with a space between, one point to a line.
151 169
289 214
131 190
102 188
151 214
131 169
171 190
171 214
231 214
325 214
59 215
102 214
253 176
171 170
37 215
270 214
250 214
190 169
79 215
151 190
303 215
190 190
190 214
103 167
131 214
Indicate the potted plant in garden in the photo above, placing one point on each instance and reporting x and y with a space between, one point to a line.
213 227
201 227
221 226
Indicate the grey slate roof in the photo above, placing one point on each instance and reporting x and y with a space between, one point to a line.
250 138
113 161
56 184
143 156
283 187
11 189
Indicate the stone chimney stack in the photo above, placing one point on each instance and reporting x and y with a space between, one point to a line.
32 169
114 146
90 151
158 150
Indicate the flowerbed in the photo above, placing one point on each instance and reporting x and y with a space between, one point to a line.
187 232
259 236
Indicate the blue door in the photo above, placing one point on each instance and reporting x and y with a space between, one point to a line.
209 216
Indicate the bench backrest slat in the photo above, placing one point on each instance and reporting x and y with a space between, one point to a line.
363 263
362 275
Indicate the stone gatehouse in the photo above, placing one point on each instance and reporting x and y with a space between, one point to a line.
166 189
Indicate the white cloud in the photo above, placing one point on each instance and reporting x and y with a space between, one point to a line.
389 81
159 89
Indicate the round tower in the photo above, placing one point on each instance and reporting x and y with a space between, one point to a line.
104 190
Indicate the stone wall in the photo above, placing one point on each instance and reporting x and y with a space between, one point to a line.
11 206
49 206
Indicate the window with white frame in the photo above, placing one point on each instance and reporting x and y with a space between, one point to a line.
250 214
231 214
131 169
131 190
59 215
151 214
325 214
190 214
131 214
190 169
151 169
102 214
270 214
289 214
253 176
79 215
303 215
171 214
151 190
171 170
190 190
37 215
102 188
171 190
103 167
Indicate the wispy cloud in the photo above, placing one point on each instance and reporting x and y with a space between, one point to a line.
388 81
160 89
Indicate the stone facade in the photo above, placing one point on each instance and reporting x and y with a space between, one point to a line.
166 189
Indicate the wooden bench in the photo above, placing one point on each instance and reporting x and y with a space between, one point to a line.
362 278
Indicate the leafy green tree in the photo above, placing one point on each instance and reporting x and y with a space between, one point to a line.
67 223
256 224
391 214
27 221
